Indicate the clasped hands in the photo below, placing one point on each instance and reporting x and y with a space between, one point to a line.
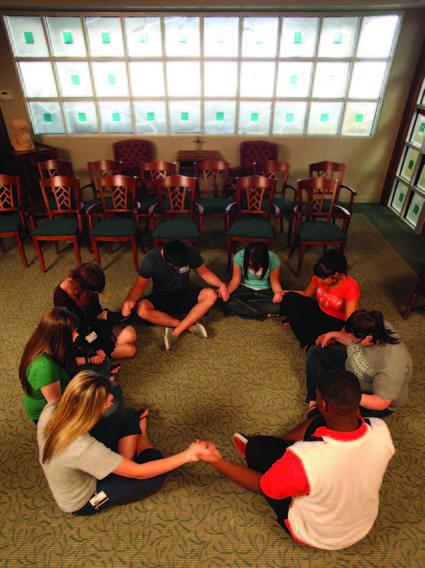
203 450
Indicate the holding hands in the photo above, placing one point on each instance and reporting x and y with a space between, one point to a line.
202 450
127 306
223 292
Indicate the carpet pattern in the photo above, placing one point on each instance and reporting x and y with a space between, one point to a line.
248 376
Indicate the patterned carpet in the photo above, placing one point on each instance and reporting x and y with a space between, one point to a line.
248 376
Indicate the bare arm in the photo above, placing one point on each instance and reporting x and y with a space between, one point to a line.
213 280
350 307
309 291
276 285
241 475
236 279
342 337
374 402
134 294
52 392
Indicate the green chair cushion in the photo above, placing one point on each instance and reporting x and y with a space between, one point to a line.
146 204
321 231
116 227
56 228
252 228
176 229
286 207
214 204
9 222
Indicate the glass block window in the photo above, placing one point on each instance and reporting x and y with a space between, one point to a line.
211 74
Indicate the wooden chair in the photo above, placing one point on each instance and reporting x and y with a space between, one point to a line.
248 218
148 206
314 222
120 224
335 171
48 169
252 151
282 208
12 221
213 197
132 153
418 291
99 169
61 196
176 198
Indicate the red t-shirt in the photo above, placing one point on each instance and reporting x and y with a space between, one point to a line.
332 299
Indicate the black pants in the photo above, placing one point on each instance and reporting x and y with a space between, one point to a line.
252 304
306 319
109 431
322 359
261 453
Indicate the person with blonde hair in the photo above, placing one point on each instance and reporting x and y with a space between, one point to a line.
48 361
92 462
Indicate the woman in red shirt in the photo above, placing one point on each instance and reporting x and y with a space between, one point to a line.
329 299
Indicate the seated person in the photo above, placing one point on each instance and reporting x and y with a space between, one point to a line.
368 347
330 298
323 478
172 294
91 462
108 333
255 289
48 361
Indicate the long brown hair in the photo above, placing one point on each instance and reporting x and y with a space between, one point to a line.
86 280
54 336
79 409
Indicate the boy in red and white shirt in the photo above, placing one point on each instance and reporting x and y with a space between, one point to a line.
323 478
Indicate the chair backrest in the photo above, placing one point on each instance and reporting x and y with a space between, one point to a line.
327 169
10 193
51 168
273 169
118 193
318 191
61 195
151 171
257 151
212 176
254 195
176 195
132 153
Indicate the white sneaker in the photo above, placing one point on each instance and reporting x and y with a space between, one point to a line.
199 330
240 441
169 338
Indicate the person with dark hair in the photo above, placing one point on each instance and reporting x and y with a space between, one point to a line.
368 347
323 478
255 289
107 333
174 303
92 462
330 298
48 361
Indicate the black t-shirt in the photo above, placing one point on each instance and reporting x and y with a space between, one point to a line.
167 278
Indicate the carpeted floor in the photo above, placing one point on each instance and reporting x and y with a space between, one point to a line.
248 376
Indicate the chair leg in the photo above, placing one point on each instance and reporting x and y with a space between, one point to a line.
301 252
39 254
21 249
135 258
229 254
409 308
2 245
57 249
290 227
76 250
95 250
294 246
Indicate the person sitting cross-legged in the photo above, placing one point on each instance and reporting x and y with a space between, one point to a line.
172 294
323 478
368 347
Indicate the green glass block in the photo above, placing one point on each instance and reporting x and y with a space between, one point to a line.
82 117
184 116
289 117
410 165
259 41
106 37
359 118
28 37
324 117
338 37
150 116
401 197
422 127
47 117
67 37
219 115
144 38
183 39
292 79
112 80
415 209
116 117
298 37
255 117
75 80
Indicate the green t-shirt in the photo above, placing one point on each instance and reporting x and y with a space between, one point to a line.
41 372
252 280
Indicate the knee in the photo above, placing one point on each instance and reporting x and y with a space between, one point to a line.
209 295
143 310
131 334
131 350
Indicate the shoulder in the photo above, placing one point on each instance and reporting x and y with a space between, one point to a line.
351 283
274 259
42 361
239 257
194 257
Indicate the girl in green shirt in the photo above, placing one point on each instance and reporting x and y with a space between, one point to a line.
48 361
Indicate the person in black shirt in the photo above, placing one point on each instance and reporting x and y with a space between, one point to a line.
174 302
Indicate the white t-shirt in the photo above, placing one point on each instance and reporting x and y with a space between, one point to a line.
72 473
